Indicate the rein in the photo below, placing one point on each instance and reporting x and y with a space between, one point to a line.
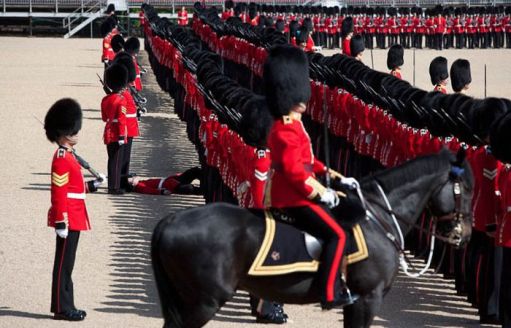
404 259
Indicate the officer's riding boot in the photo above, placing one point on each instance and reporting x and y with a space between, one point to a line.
269 312
343 296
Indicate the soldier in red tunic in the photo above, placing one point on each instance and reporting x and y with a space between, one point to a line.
107 32
132 46
439 74
173 184
357 47
346 34
67 214
293 186
395 60
182 17
113 113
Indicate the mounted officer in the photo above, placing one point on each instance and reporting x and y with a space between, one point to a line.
293 187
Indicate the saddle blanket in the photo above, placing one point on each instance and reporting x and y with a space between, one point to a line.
284 249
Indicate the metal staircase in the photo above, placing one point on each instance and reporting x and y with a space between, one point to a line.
82 17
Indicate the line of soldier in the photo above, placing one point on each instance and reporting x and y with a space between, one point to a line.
438 84
440 27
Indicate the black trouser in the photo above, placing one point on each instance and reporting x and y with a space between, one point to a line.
126 158
319 222
115 162
62 298
508 39
439 41
185 179
505 288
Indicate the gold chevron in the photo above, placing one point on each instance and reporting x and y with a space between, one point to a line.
59 180
123 110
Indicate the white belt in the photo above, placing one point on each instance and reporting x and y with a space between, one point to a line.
75 195
131 115
160 185
138 75
509 209
113 121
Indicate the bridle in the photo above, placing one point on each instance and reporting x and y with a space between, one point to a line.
454 236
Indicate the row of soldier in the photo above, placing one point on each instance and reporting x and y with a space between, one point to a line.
474 27
460 78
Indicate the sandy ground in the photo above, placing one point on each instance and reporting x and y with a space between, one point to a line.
112 278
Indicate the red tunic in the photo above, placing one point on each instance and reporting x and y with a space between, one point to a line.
441 88
113 113
484 203
182 18
138 81
157 186
346 47
258 177
131 115
108 53
503 233
294 166
67 192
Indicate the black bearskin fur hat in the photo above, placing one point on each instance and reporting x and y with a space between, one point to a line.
64 118
347 26
357 45
286 79
116 77
499 138
106 27
117 43
460 74
485 113
256 122
110 9
438 70
395 56
132 46
125 59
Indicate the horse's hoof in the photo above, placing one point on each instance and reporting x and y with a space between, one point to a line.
341 300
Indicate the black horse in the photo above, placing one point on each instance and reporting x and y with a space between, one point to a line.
201 256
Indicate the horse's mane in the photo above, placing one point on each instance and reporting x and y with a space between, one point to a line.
424 165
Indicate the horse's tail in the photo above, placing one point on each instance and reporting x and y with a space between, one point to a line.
169 297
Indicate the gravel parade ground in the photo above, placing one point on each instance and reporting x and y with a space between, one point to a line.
112 276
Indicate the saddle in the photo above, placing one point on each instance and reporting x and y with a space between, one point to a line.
286 249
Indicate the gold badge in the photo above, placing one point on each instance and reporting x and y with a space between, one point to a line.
59 180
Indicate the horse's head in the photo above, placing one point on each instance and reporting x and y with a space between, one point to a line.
451 203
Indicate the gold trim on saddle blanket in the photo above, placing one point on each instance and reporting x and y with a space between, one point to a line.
258 269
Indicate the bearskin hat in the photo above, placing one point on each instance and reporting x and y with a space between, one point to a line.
64 118
256 121
499 138
347 26
460 74
110 8
286 79
484 113
106 27
395 56
117 43
357 45
116 77
438 70
126 60
132 45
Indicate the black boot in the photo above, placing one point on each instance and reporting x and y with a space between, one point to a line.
71 315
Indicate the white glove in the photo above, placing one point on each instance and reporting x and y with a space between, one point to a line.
330 198
62 233
352 183
98 182
102 177
121 142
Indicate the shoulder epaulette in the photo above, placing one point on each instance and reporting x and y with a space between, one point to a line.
286 119
261 153
61 153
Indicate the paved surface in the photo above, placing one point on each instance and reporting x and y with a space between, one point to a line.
113 278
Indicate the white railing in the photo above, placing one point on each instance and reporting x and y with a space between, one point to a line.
85 9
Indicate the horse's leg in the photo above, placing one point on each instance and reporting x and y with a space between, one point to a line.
361 314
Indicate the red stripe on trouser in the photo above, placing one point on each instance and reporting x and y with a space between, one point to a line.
60 270
334 269
478 272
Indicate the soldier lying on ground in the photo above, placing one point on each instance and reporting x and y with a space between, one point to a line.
174 184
